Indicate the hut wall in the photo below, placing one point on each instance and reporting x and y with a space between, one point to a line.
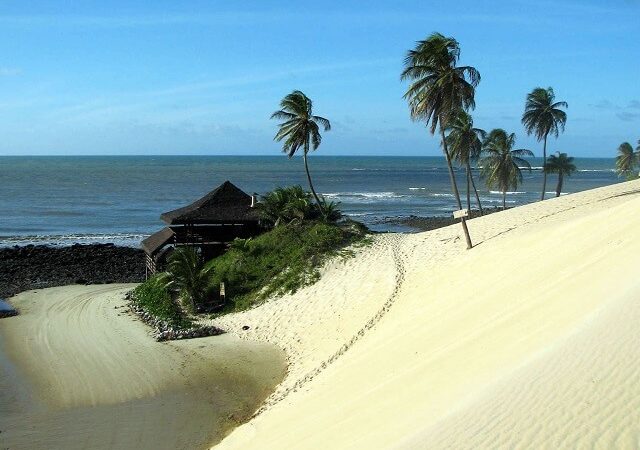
223 233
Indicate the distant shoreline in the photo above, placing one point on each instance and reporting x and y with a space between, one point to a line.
229 155
29 266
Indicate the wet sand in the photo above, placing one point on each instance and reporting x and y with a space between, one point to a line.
77 371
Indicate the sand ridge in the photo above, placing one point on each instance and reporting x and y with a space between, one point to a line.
456 323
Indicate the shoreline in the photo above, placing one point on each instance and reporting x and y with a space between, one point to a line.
28 267
88 368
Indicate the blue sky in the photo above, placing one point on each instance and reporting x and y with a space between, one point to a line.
203 77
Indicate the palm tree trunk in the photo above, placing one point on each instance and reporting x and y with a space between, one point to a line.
468 188
544 163
306 168
473 184
454 187
504 200
559 187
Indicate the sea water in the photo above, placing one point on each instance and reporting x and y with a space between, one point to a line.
62 200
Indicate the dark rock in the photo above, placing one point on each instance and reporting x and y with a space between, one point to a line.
28 267
419 223
245 328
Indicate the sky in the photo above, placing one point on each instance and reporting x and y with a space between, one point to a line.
166 77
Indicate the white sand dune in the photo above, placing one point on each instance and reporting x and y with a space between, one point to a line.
529 340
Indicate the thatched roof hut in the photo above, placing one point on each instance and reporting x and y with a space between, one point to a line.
209 223
154 243
225 204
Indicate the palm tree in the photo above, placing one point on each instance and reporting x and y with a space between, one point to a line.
543 116
626 160
284 205
439 89
300 129
561 164
465 145
188 272
502 166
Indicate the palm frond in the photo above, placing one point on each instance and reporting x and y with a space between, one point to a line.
543 116
439 87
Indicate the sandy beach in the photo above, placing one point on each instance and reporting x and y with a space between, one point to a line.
81 372
530 340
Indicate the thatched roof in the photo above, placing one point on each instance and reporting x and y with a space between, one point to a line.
156 241
225 204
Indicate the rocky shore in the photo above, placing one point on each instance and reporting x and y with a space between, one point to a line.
40 266
420 223
164 331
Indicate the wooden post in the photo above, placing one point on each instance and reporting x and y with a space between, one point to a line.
462 214
222 292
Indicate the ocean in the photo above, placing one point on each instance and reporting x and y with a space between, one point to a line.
61 200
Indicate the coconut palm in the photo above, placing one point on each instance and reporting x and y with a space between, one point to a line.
465 146
284 205
502 166
626 160
190 275
439 89
300 129
542 117
561 164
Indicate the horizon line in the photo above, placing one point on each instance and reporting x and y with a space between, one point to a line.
251 155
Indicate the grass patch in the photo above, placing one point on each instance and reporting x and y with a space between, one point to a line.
154 299
282 260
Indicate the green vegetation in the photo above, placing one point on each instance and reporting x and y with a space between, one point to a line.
293 204
627 160
440 89
543 116
465 144
300 129
501 167
281 260
190 276
153 297
561 164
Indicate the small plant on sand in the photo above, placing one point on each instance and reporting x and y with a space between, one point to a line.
153 297
190 276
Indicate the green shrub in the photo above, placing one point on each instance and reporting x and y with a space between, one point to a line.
188 273
293 204
152 296
280 261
